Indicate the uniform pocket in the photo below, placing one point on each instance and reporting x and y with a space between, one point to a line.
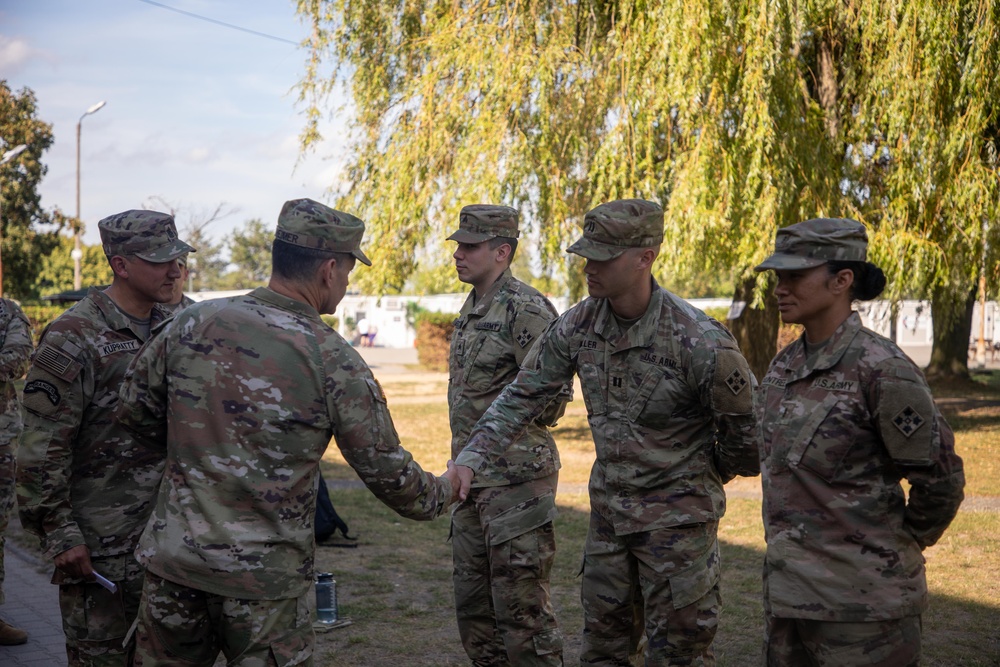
656 401
92 613
826 438
697 580
592 387
481 365
383 431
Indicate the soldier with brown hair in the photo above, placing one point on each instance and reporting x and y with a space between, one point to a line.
670 404
85 486
846 415
244 395
503 538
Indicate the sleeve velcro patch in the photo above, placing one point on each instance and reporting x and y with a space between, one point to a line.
58 363
732 384
906 410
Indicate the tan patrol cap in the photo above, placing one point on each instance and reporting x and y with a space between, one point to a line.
612 228
482 222
814 242
309 224
149 235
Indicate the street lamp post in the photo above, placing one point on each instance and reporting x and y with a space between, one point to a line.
7 157
77 251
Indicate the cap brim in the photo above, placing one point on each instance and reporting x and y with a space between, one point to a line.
361 257
463 236
166 253
780 261
599 252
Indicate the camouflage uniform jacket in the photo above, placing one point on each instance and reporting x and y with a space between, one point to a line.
82 479
174 308
840 429
253 388
669 403
491 339
15 350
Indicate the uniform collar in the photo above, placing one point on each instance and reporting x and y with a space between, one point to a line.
117 319
481 306
830 354
640 334
268 295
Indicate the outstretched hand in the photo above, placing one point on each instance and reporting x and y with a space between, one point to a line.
461 480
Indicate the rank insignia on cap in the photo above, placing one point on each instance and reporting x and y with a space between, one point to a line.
524 337
908 421
736 382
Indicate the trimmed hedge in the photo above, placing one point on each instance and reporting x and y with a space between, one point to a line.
434 339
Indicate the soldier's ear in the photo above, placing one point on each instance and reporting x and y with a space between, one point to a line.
841 281
646 258
503 252
119 266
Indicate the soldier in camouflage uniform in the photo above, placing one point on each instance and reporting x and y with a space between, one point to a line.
846 415
244 394
85 486
15 350
179 299
502 535
669 400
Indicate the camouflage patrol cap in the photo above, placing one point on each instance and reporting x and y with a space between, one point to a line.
309 224
815 242
612 228
482 222
149 235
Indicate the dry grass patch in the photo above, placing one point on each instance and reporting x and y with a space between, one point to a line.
397 587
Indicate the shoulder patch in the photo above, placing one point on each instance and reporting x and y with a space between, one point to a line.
905 408
55 361
908 420
43 387
732 384
524 337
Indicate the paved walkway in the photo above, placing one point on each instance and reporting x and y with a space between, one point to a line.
32 605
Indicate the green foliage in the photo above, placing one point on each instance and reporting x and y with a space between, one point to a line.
41 316
56 274
434 338
23 245
249 256
740 117
437 278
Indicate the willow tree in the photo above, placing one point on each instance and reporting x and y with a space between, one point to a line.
925 123
457 103
740 117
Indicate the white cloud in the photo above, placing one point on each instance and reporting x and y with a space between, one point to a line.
16 52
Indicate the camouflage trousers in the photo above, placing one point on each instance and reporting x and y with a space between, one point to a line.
8 454
661 586
799 642
180 626
95 620
503 545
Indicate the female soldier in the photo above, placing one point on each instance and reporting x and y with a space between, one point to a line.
846 415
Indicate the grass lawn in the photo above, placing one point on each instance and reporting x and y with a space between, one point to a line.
396 586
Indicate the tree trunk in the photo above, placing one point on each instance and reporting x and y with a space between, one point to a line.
951 336
756 330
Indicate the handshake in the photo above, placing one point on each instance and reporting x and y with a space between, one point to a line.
460 478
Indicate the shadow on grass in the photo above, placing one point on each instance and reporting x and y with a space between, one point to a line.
396 588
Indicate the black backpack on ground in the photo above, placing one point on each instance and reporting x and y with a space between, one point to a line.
328 522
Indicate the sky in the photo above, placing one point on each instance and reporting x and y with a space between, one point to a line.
197 114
